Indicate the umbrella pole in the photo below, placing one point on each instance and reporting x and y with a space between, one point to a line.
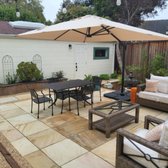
123 69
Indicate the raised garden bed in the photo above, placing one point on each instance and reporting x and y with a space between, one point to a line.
6 89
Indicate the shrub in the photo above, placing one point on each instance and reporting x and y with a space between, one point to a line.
28 71
59 74
105 76
113 75
88 77
11 79
158 66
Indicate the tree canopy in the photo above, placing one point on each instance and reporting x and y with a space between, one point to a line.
30 10
129 12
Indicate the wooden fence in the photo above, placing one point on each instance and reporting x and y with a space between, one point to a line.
141 54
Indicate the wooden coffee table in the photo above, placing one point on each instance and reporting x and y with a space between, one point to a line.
113 116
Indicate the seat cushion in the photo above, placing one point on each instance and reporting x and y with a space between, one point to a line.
155 96
129 148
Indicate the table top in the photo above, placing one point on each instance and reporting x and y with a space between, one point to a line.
58 86
114 108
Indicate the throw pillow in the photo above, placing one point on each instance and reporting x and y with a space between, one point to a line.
154 77
163 86
164 135
155 133
151 85
164 142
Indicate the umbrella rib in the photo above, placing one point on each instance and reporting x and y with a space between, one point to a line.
97 32
79 31
106 29
61 35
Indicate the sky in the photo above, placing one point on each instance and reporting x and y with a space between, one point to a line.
51 7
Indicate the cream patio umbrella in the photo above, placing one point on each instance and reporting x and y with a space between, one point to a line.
91 28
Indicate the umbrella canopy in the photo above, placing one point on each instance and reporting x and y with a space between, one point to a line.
93 29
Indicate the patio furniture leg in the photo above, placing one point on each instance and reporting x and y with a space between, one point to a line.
100 95
137 115
52 109
78 107
38 111
31 106
69 104
43 106
62 106
107 124
90 120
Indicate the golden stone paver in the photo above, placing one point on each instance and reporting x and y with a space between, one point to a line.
64 151
45 138
39 160
62 140
24 146
88 160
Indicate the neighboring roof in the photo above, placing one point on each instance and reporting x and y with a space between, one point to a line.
26 25
160 26
17 27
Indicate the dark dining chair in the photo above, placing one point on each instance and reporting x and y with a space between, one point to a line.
40 99
97 84
84 94
62 95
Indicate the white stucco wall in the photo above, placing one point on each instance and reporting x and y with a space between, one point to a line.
57 56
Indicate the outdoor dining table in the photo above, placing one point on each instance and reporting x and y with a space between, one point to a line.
66 85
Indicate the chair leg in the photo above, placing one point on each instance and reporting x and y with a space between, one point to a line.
92 101
100 96
38 111
52 108
31 106
44 106
84 103
69 104
78 107
62 106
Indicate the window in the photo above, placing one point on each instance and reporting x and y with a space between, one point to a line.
101 53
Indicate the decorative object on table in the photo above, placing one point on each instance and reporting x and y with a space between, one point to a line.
133 94
131 81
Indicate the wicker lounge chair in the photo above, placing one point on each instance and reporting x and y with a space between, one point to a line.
129 160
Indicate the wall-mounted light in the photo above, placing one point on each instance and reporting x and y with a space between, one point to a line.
70 46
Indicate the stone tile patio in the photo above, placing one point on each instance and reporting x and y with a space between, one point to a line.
60 140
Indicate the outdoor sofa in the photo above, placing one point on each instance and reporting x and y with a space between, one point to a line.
154 93
135 151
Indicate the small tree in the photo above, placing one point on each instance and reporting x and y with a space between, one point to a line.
28 71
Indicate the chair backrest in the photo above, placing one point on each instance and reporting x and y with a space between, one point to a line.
96 82
88 89
33 93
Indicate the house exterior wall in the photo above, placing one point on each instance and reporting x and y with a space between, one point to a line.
57 56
